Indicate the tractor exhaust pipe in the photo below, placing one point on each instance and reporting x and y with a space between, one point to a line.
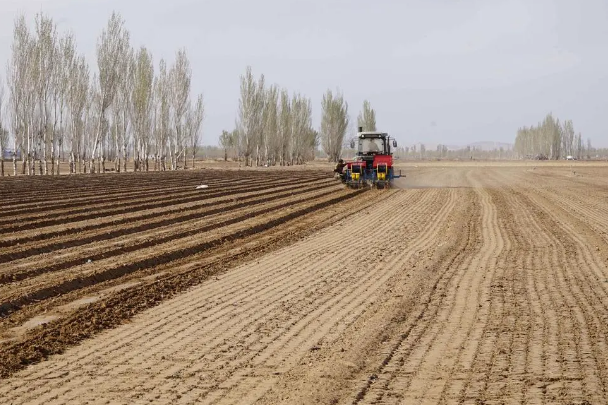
360 129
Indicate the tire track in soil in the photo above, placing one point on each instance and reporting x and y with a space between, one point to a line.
308 294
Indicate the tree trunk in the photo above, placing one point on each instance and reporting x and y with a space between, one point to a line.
44 157
58 159
52 154
92 162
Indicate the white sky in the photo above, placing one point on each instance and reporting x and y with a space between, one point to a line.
436 71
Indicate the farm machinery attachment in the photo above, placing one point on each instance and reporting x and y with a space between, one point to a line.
373 164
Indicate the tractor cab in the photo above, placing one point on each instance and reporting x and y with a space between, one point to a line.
373 148
373 164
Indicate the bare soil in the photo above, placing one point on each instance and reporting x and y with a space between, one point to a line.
468 283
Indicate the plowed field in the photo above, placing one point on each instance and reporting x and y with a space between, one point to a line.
469 284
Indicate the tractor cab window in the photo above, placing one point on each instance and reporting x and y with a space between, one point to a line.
371 145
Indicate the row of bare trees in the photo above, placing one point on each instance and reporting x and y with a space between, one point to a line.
125 110
272 127
550 139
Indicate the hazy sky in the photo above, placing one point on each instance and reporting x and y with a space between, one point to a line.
436 71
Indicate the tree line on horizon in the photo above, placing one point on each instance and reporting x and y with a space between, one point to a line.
551 139
122 109
55 107
274 128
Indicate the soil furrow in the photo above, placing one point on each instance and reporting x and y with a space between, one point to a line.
110 312
140 206
124 237
15 296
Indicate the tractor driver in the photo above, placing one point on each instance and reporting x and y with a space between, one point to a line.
340 169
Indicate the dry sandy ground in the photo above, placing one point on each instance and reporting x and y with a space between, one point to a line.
471 284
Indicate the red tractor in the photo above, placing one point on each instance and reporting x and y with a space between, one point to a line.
373 164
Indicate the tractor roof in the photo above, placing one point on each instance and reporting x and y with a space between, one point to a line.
370 134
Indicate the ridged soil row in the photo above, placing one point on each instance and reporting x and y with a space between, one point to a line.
43 210
207 234
497 369
120 305
131 207
580 275
68 251
33 190
91 185
579 200
248 325
422 366
347 366
113 195
591 209
543 326
75 208
501 364
550 343
101 222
